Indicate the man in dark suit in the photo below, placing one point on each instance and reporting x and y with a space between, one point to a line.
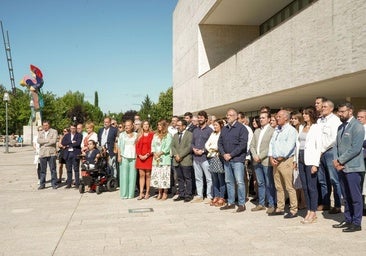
107 138
188 117
72 148
182 161
350 166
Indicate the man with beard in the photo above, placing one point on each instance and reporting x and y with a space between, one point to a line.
200 162
350 166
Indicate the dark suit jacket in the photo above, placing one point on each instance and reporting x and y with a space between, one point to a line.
183 149
190 127
75 144
112 134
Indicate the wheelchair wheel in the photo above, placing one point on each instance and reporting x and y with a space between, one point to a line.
98 190
81 188
112 184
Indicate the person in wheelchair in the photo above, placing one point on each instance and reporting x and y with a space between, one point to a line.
90 158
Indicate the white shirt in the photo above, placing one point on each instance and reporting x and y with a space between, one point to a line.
329 127
250 137
172 130
212 141
104 137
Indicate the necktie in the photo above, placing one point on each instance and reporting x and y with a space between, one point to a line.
343 128
179 137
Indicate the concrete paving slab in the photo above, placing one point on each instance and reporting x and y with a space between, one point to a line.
65 222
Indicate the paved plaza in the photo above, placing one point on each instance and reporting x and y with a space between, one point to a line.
65 222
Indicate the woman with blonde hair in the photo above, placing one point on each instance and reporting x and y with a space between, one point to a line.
127 159
144 158
90 135
160 147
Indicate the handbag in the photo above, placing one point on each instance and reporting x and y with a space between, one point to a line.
215 165
296 179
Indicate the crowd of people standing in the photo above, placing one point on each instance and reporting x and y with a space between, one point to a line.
300 157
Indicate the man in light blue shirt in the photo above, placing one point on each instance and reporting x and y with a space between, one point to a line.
281 153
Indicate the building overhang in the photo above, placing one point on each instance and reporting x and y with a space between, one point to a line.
243 12
337 89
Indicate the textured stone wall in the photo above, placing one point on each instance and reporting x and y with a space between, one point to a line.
328 39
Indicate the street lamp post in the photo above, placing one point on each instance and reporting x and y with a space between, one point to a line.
6 99
31 105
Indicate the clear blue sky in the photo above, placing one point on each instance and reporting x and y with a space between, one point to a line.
120 48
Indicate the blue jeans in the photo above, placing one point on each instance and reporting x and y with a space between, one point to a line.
234 174
308 182
219 186
201 168
51 160
327 177
265 182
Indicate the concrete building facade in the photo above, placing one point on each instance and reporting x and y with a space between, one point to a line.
283 53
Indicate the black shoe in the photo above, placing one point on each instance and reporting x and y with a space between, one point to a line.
335 210
241 208
55 187
290 215
342 224
188 199
275 213
228 207
41 187
179 198
352 228
253 200
68 186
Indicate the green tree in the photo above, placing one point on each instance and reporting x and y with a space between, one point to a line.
164 108
93 113
96 99
53 111
60 111
130 114
18 111
146 108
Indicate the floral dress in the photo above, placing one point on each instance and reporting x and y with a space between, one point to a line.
160 174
